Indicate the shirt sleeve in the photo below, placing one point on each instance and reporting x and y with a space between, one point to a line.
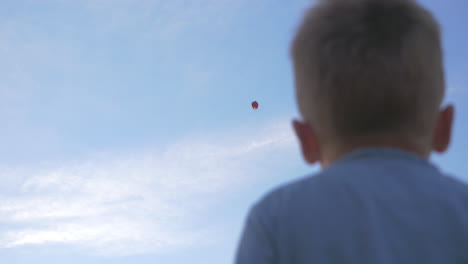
256 245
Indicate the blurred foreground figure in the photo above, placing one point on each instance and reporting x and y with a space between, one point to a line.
369 83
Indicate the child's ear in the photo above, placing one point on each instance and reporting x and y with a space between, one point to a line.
443 130
308 140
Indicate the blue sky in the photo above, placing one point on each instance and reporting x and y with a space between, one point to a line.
127 134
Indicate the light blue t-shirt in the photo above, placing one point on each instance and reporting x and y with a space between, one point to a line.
379 206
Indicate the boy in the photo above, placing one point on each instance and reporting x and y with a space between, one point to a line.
369 82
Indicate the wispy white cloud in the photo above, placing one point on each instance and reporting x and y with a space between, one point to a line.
125 204
148 201
160 17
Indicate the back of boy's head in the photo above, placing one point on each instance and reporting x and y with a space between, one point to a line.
369 69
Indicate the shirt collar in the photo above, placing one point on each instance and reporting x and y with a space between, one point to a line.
383 153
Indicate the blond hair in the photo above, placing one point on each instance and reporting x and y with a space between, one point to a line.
369 68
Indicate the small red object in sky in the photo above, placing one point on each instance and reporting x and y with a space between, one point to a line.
254 105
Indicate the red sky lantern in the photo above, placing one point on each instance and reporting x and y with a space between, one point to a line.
254 105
